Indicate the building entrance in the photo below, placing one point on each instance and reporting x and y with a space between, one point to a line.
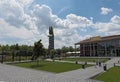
118 52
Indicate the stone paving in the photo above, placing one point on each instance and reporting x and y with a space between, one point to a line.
10 73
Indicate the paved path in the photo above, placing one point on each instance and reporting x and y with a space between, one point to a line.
78 62
90 71
17 74
112 61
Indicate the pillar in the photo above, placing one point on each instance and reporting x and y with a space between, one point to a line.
75 49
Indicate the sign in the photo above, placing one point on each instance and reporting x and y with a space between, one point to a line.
95 38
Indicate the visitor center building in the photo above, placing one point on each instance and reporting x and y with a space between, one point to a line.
100 46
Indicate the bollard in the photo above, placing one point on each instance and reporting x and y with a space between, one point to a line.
85 63
76 62
99 64
105 67
96 63
83 66
114 64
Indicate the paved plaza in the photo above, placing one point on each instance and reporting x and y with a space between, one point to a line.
10 73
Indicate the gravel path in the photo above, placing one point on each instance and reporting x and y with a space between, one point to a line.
10 73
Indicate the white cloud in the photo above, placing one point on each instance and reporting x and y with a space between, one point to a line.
15 15
79 21
21 26
15 23
105 11
110 28
24 25
24 2
8 32
72 21
115 19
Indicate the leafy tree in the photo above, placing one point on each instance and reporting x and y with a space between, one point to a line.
58 52
44 52
38 50
17 47
71 49
64 49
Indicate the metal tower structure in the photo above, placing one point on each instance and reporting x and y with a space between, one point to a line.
51 38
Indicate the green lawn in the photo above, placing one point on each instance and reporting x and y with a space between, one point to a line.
112 75
87 59
56 67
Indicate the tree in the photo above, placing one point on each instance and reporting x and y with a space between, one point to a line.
44 52
38 50
64 49
17 47
58 52
71 49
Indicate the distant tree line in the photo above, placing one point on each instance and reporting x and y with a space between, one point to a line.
16 48
34 51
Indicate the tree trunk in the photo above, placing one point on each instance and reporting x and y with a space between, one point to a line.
37 62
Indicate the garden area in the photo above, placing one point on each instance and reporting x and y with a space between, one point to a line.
112 75
55 67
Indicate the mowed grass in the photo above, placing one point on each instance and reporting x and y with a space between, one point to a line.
112 75
87 59
56 67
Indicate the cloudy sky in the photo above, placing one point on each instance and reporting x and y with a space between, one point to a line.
26 21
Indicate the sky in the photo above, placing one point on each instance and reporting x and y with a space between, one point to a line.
27 21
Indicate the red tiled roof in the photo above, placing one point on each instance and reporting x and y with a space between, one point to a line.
98 38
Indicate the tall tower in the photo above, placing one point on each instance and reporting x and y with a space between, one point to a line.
51 38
